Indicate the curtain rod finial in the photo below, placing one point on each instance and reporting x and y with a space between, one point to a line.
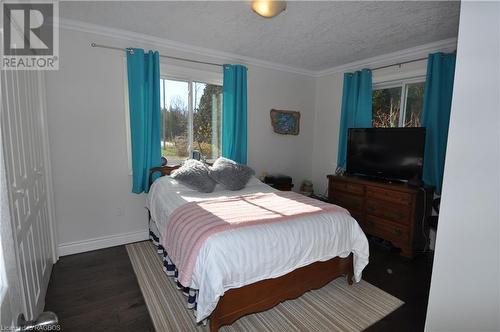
93 44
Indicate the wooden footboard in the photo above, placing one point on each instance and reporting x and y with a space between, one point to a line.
265 294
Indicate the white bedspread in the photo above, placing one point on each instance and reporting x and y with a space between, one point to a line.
249 254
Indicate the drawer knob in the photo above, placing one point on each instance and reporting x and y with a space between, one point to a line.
398 231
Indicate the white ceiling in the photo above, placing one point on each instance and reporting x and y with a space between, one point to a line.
308 35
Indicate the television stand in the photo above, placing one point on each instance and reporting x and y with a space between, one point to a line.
395 212
375 179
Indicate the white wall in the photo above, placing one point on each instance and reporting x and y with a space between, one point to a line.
271 152
87 136
87 129
464 294
326 128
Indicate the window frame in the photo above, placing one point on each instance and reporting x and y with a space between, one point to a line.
403 84
190 76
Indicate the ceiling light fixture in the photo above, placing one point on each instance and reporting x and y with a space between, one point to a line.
268 8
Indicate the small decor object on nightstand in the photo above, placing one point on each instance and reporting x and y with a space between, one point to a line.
306 188
196 155
285 122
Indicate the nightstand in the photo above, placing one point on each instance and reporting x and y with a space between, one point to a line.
279 181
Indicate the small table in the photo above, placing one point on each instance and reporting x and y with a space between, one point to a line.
279 182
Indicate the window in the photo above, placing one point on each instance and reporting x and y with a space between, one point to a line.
398 105
191 120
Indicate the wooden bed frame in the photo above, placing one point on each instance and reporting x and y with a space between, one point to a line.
265 294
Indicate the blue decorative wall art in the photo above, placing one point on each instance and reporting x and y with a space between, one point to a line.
285 122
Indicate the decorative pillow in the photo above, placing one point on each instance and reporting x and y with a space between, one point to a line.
230 174
194 174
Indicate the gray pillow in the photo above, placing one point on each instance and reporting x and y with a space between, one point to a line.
194 174
230 174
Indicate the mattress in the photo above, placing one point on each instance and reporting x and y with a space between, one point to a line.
246 255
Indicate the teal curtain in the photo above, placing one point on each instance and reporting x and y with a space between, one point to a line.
356 109
144 106
234 113
436 115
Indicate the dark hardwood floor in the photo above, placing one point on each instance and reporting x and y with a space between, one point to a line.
408 280
98 291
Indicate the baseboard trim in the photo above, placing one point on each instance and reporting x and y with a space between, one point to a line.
76 247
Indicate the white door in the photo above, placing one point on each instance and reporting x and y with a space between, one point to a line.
25 153
10 292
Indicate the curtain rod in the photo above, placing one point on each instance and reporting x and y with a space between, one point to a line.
219 65
398 64
161 56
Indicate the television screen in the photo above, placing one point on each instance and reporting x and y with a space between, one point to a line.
388 153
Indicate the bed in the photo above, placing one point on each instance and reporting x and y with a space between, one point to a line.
254 268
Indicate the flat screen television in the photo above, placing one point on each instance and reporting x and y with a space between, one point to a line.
386 153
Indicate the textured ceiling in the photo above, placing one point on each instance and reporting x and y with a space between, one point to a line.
308 35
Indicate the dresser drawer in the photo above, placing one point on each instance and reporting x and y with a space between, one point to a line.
386 210
391 211
385 229
351 188
389 195
347 201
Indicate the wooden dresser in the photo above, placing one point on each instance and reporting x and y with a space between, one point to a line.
393 212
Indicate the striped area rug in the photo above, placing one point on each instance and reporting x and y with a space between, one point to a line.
335 307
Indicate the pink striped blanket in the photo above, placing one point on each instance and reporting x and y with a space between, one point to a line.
191 224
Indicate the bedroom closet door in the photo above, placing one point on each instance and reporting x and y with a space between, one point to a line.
25 152
10 298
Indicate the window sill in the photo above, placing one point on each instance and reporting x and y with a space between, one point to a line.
180 162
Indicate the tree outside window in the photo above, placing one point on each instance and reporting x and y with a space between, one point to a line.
398 106
190 118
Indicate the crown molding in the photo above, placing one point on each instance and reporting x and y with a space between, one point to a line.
177 46
409 54
446 45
